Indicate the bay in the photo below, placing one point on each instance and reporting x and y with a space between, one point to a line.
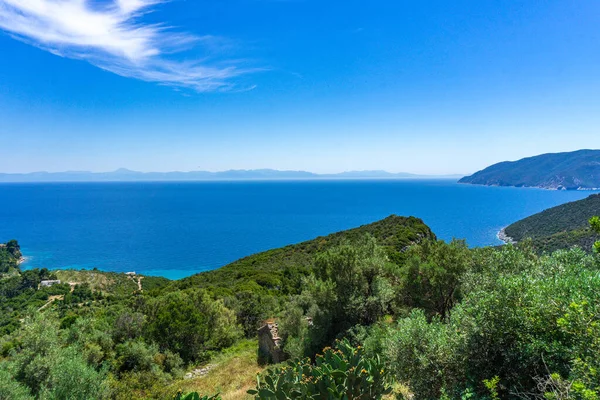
176 229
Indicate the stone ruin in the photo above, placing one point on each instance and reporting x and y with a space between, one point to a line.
269 344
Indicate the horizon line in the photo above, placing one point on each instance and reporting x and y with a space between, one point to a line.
123 170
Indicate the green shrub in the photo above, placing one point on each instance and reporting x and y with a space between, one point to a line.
10 388
353 285
135 355
521 317
581 327
191 324
419 352
128 325
73 378
595 224
433 275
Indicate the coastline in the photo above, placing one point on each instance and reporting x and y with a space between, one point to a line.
501 235
557 188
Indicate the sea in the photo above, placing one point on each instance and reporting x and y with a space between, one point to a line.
177 229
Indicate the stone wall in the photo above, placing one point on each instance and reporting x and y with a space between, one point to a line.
269 344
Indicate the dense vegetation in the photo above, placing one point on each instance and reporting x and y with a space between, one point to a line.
574 170
19 289
560 227
257 287
139 343
284 268
382 311
10 254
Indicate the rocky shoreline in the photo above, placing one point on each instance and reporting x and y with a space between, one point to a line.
505 238
545 187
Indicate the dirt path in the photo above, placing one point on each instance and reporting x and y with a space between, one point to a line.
51 300
138 281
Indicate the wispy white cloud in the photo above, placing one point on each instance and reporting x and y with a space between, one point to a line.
113 37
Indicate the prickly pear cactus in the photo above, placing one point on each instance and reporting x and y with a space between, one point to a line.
195 396
343 372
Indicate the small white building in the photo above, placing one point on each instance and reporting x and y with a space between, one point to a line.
49 283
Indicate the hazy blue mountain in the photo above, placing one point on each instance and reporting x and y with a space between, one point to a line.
372 174
574 170
126 175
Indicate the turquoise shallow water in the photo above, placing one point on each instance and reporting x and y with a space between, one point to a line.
178 229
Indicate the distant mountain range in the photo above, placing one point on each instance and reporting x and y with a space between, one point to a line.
126 175
577 170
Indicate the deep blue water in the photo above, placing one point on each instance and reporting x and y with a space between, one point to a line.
178 229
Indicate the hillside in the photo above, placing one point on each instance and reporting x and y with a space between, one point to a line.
274 273
559 227
283 268
10 254
149 338
373 316
573 170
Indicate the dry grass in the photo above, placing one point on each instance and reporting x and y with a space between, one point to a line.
233 374
105 282
96 281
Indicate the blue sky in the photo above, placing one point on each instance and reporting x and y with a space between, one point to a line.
430 87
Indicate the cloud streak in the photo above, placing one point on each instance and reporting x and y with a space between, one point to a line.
113 38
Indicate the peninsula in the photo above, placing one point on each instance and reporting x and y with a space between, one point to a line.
577 170
556 228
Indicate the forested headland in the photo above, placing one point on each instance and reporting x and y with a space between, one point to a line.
560 227
382 311
575 170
